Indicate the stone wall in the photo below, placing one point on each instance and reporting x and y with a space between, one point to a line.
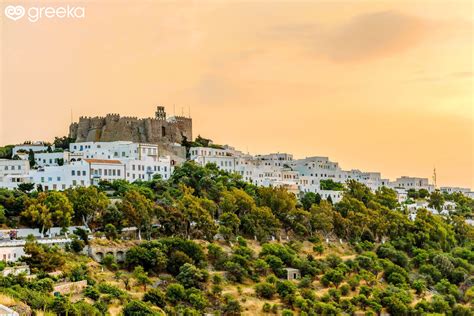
70 287
113 127
99 252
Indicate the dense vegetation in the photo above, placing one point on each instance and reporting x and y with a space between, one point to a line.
201 228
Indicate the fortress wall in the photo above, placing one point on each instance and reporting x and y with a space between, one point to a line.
113 127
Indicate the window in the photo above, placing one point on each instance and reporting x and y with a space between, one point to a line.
73 172
163 131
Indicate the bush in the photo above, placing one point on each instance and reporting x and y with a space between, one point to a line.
109 261
231 306
235 272
77 245
43 285
112 290
266 308
419 286
197 300
137 308
286 312
175 293
156 297
265 290
190 276
92 293
285 288
345 289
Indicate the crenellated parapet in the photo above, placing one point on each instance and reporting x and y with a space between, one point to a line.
113 127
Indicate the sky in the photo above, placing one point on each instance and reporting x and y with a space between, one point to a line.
374 85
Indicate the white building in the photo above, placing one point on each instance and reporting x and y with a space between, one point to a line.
86 164
407 183
450 190
36 147
12 250
13 172
51 159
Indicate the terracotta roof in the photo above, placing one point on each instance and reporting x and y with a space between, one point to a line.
104 161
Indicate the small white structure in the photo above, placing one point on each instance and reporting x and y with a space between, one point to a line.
12 250
5 311
292 274
16 270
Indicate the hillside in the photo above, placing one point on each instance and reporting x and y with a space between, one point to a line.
208 243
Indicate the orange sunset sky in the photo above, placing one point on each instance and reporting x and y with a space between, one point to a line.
375 85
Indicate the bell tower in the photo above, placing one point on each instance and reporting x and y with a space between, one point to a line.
160 113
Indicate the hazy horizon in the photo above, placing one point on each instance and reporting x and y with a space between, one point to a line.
382 86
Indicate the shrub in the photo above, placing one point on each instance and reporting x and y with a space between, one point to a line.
266 308
265 290
138 308
345 289
231 306
92 293
112 290
156 297
175 293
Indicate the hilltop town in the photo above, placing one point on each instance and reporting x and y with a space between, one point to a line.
127 148
129 216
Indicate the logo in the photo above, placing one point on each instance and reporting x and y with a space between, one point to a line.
14 12
34 14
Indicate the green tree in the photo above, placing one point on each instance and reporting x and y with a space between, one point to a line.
26 187
309 199
38 215
228 225
59 207
191 276
111 232
137 210
261 223
31 158
88 204
436 200
141 276
334 276
386 197
322 217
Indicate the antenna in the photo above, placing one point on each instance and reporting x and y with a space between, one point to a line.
434 178
71 117
174 110
189 111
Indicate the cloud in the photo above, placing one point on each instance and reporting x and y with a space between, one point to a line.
364 37
374 35
462 74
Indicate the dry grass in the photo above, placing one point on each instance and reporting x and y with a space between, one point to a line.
7 300
251 304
